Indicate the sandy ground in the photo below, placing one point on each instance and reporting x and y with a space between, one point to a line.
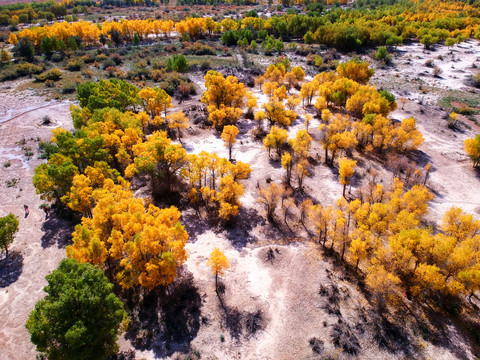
35 251
453 179
286 290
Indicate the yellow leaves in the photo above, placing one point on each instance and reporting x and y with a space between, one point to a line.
276 114
195 27
12 39
229 24
148 243
177 120
429 276
381 281
251 102
406 137
307 91
346 170
227 210
80 195
286 160
270 196
228 135
355 70
269 88
320 104
230 190
218 262
206 173
472 149
301 143
87 247
275 74
298 72
459 224
275 139
292 102
155 101
223 91
224 115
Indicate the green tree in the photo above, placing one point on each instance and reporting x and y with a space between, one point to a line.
136 39
24 49
80 317
8 228
48 46
178 63
72 44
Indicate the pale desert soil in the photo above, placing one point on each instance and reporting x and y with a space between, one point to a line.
38 246
287 289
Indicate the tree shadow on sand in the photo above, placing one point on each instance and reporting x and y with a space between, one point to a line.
10 268
57 231
240 227
166 322
195 225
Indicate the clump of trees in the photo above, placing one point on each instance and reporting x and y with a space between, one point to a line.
136 242
225 99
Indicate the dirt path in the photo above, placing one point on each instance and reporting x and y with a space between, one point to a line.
30 111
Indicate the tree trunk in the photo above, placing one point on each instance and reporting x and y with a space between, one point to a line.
344 187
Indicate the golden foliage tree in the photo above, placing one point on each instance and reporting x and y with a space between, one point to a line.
218 264
228 136
346 169
472 148
275 139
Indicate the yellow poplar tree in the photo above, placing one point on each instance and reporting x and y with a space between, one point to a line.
472 148
218 263
228 136
345 171
177 121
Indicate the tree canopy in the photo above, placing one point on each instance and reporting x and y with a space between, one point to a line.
80 317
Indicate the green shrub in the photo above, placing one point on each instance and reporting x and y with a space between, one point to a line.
139 71
24 49
75 65
107 63
53 74
57 57
178 63
18 70
383 55
68 87
198 48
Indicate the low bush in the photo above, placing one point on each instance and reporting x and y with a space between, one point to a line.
75 65
18 70
68 87
476 80
198 48
53 74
